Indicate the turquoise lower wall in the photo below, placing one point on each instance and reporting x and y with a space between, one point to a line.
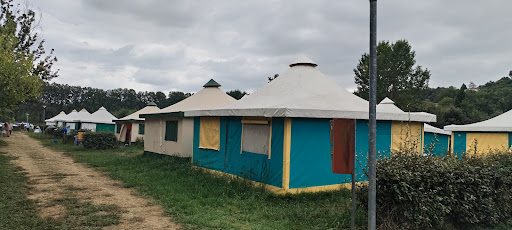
436 144
256 167
459 143
310 153
105 128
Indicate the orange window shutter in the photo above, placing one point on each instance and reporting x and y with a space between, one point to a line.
342 146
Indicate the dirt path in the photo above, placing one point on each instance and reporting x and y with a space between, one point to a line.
51 175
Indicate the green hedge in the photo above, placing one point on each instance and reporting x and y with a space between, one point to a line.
100 140
435 192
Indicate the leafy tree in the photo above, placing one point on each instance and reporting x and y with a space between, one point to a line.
23 64
175 97
237 94
397 76
460 95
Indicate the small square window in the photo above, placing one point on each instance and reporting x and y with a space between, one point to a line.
141 129
118 128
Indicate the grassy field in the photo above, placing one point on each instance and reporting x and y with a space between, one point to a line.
18 212
200 200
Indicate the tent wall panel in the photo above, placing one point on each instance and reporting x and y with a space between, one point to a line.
105 128
310 154
459 143
509 140
229 159
407 135
485 142
89 126
154 137
437 143
362 144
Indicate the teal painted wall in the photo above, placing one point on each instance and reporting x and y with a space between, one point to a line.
362 144
459 143
438 143
310 154
509 140
105 128
256 167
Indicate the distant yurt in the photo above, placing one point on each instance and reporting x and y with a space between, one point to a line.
63 120
437 141
280 135
484 136
131 127
405 135
73 120
53 121
169 132
101 120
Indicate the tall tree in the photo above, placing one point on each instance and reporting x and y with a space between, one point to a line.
397 76
23 64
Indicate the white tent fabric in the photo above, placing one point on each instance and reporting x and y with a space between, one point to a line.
207 98
65 118
82 115
303 91
388 106
151 108
61 115
431 129
501 123
101 116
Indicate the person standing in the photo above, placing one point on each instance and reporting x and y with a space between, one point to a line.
4 129
9 129
27 126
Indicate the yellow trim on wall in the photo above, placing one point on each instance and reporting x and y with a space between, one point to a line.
451 142
407 135
286 152
278 190
270 142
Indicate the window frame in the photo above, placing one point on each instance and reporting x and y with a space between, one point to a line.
257 121
142 127
168 137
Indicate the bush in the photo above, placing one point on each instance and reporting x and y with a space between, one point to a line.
434 192
100 140
57 133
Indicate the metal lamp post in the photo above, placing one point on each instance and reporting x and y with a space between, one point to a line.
372 153
44 113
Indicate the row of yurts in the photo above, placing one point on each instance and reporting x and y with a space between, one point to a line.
280 134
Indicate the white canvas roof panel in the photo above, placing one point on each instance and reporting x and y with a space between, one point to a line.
150 108
66 118
303 91
500 123
59 116
431 129
101 116
211 96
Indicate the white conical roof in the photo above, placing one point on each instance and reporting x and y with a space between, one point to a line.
61 115
101 116
303 91
431 129
82 115
67 118
150 108
388 106
207 98
500 123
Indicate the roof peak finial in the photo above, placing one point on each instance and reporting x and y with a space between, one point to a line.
303 60
211 83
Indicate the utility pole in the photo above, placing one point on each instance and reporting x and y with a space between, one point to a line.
372 153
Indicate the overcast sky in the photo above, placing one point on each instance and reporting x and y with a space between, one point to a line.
153 45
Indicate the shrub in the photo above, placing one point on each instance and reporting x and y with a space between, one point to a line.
100 140
435 192
57 133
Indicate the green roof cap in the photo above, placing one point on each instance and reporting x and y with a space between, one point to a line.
151 104
211 83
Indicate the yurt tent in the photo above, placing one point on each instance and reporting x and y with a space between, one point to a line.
280 134
169 132
405 135
63 120
53 120
437 141
484 136
131 127
73 120
101 120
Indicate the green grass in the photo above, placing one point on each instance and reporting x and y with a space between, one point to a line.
18 212
200 200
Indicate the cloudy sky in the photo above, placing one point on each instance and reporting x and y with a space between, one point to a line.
162 45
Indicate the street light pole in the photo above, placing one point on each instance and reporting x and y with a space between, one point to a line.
372 153
44 113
